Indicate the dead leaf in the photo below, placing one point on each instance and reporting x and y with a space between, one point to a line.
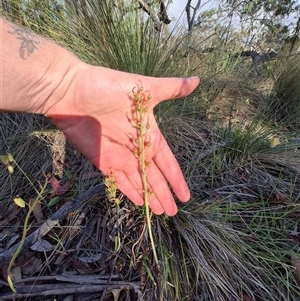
295 262
116 293
42 245
246 298
37 211
294 238
91 258
4 271
12 241
32 266
11 215
58 189
16 274
279 197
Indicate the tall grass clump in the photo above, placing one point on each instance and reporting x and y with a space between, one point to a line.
283 104
119 36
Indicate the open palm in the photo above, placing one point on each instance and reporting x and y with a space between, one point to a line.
93 114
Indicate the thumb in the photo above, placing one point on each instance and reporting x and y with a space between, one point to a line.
171 88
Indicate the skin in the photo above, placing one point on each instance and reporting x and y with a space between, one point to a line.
90 104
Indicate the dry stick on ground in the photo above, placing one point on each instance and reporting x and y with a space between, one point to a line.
53 220
82 279
71 289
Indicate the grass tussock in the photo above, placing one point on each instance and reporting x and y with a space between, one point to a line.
284 106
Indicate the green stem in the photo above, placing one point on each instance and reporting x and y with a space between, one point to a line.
145 186
27 178
16 254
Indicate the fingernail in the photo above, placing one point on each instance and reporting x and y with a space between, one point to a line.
194 77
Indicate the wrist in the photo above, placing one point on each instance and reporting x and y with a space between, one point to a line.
59 81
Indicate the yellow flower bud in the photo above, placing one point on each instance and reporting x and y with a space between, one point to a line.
10 157
19 202
10 168
4 159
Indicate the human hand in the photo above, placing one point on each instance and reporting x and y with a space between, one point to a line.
93 114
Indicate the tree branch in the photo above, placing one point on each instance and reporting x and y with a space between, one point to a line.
191 19
163 16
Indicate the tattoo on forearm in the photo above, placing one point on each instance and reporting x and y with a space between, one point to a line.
29 40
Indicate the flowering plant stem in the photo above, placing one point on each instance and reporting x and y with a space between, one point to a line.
140 145
25 229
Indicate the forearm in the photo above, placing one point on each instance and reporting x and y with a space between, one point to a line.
35 73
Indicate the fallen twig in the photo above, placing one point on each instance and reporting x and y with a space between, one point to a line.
88 279
63 289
